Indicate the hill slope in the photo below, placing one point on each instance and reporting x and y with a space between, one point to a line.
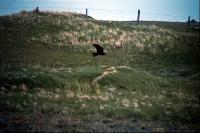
154 39
148 81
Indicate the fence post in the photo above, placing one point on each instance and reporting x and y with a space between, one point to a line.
37 10
138 16
188 22
86 12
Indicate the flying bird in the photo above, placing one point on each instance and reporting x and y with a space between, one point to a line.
99 49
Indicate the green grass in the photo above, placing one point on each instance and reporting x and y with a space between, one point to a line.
148 96
154 76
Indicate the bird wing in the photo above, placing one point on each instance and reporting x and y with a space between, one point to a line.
98 47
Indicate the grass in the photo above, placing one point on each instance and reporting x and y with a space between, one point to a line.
136 93
47 68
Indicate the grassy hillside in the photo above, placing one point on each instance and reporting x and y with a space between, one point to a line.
148 81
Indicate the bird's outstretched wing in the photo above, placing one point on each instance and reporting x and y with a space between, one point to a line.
98 47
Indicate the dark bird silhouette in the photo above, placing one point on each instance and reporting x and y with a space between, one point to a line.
100 50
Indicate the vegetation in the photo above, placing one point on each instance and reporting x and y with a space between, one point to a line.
150 75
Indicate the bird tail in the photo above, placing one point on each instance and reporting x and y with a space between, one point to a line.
94 54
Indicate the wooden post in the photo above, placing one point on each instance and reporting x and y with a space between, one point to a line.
37 10
86 12
188 22
138 16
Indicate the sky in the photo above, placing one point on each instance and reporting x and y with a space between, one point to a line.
120 10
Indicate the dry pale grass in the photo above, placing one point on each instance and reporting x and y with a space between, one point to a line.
107 72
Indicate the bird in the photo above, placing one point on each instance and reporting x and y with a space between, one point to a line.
99 49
